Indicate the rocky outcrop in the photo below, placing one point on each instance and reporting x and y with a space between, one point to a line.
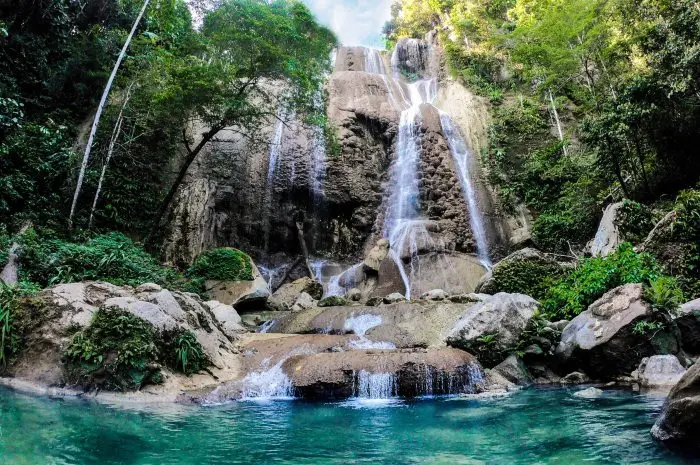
405 373
404 324
608 237
244 295
615 333
688 322
286 296
493 326
58 312
526 271
679 422
659 372
514 370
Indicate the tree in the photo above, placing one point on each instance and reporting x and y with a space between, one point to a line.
257 57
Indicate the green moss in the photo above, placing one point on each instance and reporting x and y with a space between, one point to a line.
333 301
223 264
117 351
527 276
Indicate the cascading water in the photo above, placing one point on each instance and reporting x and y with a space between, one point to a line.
360 325
272 165
402 225
462 157
375 385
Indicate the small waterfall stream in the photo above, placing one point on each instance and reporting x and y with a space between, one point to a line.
272 165
462 157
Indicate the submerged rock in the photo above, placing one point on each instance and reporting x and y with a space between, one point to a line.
679 422
605 340
589 393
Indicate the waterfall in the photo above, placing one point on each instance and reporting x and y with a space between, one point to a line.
373 61
267 383
462 157
401 223
272 165
375 385
359 325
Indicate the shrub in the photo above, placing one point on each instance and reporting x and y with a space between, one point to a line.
687 230
664 294
223 264
634 221
182 352
595 276
109 257
527 276
12 319
117 351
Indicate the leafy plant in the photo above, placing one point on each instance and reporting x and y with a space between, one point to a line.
634 221
644 327
182 352
664 294
223 264
11 316
594 277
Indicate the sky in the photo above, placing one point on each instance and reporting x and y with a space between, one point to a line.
355 22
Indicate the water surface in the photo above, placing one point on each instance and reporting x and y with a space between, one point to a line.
534 426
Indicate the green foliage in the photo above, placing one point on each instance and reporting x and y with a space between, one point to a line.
182 352
664 294
12 319
687 230
333 301
117 351
109 257
645 328
634 221
532 277
594 277
223 264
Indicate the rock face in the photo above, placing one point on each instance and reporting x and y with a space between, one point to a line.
659 372
679 422
514 370
688 322
603 342
286 296
405 324
607 238
374 374
503 317
57 312
244 295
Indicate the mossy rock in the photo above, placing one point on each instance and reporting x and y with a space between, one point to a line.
223 264
333 301
527 271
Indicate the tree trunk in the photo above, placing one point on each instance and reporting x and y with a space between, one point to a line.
191 155
556 119
9 274
110 151
285 277
98 114
304 250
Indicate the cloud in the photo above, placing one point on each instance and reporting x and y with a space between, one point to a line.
355 22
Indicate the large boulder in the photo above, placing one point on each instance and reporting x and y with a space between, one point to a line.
659 372
608 237
526 271
376 255
679 422
376 373
688 322
285 297
243 295
615 333
57 313
492 327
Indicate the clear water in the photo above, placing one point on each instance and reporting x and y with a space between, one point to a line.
534 426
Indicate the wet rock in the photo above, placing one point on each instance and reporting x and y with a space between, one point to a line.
390 280
333 301
659 371
374 301
603 342
406 373
514 370
607 238
688 322
243 295
394 298
435 294
285 297
376 255
501 318
679 423
589 393
575 377
354 294
303 302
